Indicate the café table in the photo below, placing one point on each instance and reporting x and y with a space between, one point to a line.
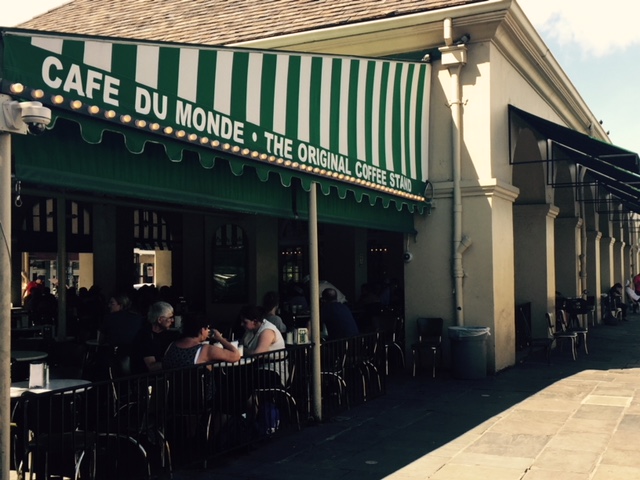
28 355
77 384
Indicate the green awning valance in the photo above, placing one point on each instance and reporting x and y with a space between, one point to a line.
61 159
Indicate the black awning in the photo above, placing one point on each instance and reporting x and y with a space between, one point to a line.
614 168
580 142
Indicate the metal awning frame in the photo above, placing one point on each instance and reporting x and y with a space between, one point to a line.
621 186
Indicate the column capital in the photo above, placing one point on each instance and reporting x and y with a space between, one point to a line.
536 210
594 235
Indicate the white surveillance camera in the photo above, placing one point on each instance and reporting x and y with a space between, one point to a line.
23 117
408 256
35 116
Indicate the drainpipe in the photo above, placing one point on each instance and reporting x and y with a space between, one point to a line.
454 57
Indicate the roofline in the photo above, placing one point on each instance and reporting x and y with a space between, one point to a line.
328 39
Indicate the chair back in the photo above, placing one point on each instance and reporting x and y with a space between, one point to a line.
189 389
549 317
430 328
560 325
561 321
334 355
384 322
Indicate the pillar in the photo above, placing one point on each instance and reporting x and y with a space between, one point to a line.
535 261
567 245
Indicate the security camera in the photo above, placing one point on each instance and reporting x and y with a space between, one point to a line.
407 257
23 117
35 116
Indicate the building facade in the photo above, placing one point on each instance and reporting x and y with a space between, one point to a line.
516 195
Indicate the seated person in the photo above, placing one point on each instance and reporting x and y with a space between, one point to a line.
615 299
190 349
296 298
262 336
632 295
336 317
323 285
150 343
120 326
271 303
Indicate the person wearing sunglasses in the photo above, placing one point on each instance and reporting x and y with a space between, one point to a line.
190 349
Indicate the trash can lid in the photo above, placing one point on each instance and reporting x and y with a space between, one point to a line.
459 332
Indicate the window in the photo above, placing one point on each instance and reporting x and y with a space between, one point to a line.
230 281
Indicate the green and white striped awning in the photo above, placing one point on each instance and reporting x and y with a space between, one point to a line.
362 122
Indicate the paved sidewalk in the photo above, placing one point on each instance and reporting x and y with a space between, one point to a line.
569 420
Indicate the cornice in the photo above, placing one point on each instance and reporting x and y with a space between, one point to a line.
491 187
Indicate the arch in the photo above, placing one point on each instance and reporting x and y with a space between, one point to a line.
528 171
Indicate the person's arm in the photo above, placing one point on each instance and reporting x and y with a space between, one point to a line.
265 340
152 364
228 353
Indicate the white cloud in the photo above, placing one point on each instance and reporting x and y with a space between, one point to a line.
595 27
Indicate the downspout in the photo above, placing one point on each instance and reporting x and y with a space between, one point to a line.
454 57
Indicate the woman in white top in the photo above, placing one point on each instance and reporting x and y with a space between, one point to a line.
262 336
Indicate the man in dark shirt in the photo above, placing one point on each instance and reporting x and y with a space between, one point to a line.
149 345
336 316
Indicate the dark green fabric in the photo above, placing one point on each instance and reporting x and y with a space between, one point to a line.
63 158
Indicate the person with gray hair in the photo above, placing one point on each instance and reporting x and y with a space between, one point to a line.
153 339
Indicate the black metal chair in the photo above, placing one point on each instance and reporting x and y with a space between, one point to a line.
576 307
365 360
535 343
189 408
429 340
282 395
386 324
52 443
334 360
559 332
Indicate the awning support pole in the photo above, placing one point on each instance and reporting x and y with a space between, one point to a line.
314 299
61 266
5 301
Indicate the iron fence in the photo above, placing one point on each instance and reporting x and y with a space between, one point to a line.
131 426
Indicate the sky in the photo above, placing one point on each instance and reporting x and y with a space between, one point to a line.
595 42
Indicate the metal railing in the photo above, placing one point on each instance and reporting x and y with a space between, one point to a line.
132 426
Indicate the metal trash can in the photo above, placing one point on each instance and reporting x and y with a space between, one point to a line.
469 352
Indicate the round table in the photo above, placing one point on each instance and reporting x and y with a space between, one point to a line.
28 355
18 388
